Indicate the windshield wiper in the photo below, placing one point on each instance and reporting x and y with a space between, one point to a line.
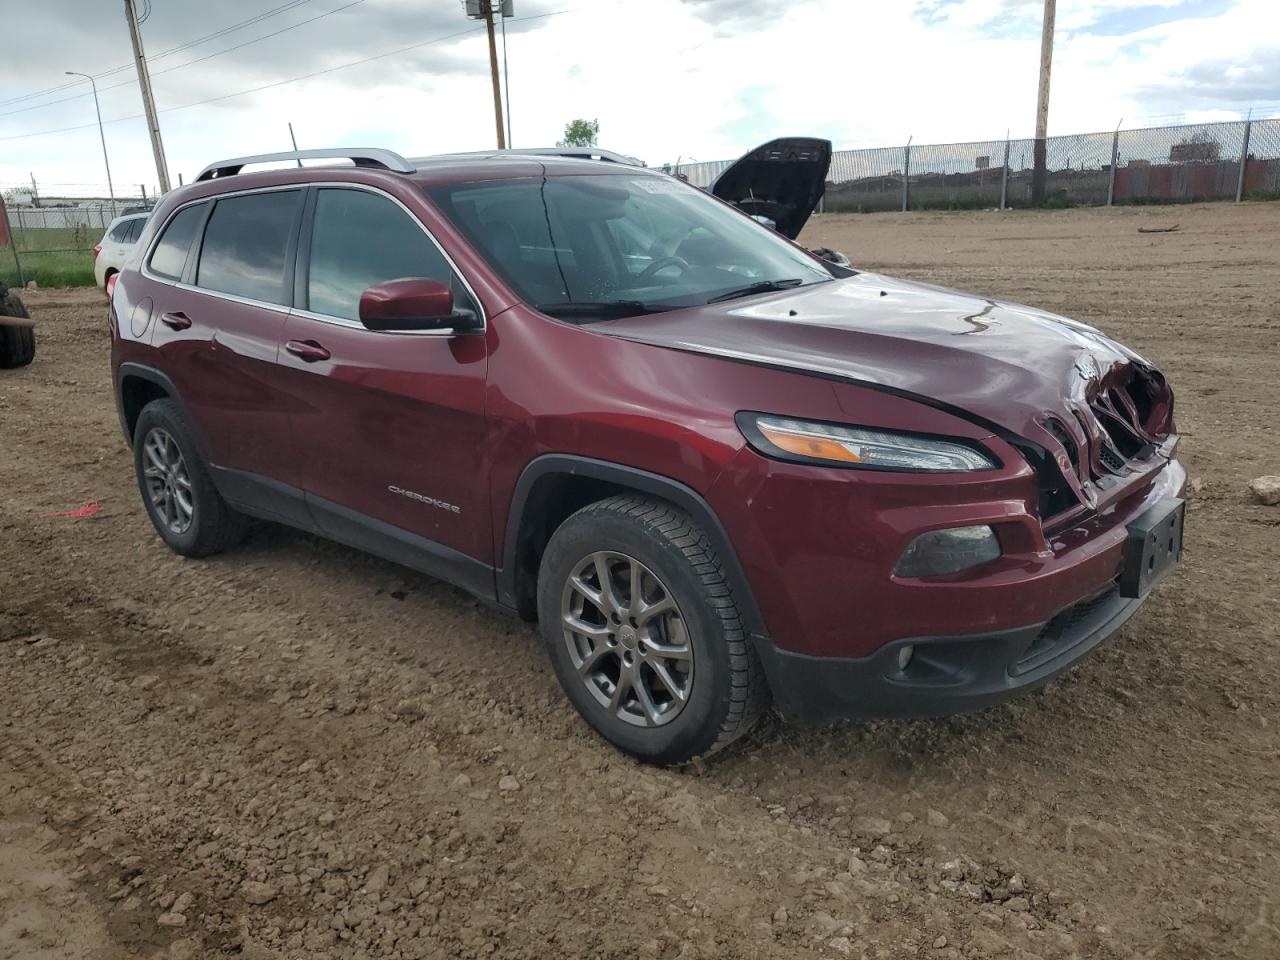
761 286
598 310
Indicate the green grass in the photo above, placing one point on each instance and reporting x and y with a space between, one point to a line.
48 269
52 257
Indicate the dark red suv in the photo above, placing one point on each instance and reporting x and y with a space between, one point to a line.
719 471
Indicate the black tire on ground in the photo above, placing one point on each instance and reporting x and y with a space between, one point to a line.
213 525
727 692
17 344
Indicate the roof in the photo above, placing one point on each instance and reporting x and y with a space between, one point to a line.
488 164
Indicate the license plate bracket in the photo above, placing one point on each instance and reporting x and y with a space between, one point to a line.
1153 548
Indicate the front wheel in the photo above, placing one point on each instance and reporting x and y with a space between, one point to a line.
644 633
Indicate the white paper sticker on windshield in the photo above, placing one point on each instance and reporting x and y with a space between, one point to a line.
659 185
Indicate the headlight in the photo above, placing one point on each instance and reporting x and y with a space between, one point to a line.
809 442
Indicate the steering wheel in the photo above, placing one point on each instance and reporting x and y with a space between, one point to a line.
649 272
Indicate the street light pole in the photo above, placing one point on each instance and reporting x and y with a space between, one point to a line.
101 135
506 81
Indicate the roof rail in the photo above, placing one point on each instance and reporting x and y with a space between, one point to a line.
360 156
580 153
584 153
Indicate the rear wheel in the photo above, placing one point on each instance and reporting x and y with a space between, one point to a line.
185 507
644 633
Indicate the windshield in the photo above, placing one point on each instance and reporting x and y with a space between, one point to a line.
622 243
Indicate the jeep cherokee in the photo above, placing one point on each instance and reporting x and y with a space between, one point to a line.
719 472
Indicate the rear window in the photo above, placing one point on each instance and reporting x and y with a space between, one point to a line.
170 254
246 243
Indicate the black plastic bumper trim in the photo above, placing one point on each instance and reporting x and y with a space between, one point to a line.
946 674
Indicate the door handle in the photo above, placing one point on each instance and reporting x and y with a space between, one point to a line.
176 320
307 350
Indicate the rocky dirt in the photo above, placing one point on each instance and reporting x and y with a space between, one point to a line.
297 751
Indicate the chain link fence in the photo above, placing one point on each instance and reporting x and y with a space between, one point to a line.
1209 161
52 238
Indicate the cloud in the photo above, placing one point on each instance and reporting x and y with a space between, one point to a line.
741 11
666 78
1246 80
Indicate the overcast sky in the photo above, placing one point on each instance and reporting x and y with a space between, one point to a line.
701 79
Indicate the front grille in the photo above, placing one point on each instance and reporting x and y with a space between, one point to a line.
1110 459
1055 494
1128 409
1063 437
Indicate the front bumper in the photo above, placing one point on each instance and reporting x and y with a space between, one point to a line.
945 675
979 638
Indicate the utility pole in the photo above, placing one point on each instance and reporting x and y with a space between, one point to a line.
487 9
148 101
483 10
1039 173
111 190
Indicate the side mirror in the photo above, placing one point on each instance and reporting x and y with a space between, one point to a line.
414 303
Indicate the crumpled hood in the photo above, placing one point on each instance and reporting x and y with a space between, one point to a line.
1008 365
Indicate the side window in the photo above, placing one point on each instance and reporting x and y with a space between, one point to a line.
170 254
245 245
120 232
135 229
360 239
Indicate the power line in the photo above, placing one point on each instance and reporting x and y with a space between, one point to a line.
187 63
266 86
164 53
280 83
265 15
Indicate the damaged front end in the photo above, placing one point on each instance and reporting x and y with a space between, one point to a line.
1120 430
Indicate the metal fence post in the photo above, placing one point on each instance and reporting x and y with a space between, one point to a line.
1115 158
906 173
1244 158
1004 176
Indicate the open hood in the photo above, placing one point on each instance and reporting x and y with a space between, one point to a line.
783 180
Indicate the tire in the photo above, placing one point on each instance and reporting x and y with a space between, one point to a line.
17 344
603 666
163 443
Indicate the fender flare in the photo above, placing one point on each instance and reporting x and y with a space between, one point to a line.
643 481
143 372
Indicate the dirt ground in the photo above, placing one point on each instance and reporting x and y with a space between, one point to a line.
295 750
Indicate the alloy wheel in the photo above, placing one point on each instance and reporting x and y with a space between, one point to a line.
627 639
167 480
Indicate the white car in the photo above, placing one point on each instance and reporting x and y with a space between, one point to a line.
110 253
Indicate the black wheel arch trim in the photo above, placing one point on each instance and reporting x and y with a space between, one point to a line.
143 372
642 481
